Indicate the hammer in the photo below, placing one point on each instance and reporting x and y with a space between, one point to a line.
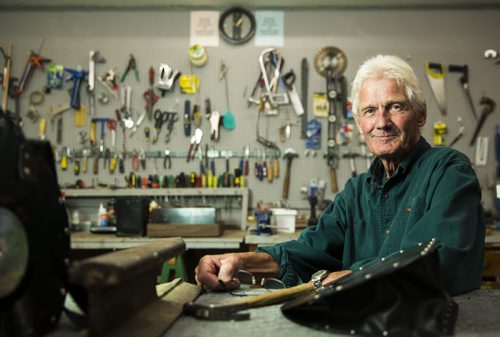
289 155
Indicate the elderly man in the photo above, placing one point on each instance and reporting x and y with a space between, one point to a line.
411 193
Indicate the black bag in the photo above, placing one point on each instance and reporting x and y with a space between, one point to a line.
400 295
31 207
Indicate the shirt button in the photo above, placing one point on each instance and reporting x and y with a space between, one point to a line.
387 232
385 196
408 209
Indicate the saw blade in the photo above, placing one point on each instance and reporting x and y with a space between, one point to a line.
13 252
435 75
330 61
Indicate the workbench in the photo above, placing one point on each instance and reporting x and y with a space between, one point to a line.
478 317
230 239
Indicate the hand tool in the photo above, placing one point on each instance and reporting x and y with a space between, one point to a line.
229 310
56 110
34 61
196 116
94 57
132 65
482 151
289 155
464 81
126 107
166 78
245 164
214 125
293 95
208 108
195 143
64 158
77 76
497 157
6 76
142 158
149 95
228 120
352 162
104 123
260 82
42 126
167 161
107 158
160 118
304 86
312 197
85 154
187 118
273 96
489 106
330 62
59 130
173 117
461 129
108 81
436 76
138 123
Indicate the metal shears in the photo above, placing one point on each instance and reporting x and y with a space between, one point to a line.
162 117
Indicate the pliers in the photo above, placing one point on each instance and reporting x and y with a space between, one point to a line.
167 160
131 65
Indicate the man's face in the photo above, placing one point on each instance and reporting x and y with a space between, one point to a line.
386 120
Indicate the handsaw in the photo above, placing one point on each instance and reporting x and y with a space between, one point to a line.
464 81
435 75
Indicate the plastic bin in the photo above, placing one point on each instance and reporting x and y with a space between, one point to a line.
283 219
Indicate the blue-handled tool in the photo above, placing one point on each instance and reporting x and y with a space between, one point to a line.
77 76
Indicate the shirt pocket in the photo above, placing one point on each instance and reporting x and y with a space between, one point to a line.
362 233
412 211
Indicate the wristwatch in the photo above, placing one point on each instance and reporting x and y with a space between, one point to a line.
317 277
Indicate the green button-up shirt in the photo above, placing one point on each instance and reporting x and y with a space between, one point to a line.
434 193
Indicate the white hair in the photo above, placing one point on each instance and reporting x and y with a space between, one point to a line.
392 67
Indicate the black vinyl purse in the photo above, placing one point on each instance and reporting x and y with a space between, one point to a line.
399 295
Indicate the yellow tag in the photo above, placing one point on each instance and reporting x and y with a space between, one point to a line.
320 105
189 84
81 116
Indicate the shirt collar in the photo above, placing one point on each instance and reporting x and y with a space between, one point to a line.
376 169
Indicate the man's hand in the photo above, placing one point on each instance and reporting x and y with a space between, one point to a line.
216 271
212 269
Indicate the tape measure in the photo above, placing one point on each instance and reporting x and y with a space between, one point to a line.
198 55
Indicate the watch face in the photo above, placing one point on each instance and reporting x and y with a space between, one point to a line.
319 275
237 25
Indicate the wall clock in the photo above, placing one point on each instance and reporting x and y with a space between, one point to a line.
237 25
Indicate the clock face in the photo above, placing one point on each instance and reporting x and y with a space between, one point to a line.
237 25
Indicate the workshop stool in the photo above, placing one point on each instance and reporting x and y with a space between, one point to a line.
175 265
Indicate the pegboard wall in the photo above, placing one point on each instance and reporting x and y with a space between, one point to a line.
162 36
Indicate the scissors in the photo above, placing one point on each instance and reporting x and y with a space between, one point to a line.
171 119
160 118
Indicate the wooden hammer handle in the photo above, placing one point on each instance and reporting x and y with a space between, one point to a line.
333 178
286 182
276 296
